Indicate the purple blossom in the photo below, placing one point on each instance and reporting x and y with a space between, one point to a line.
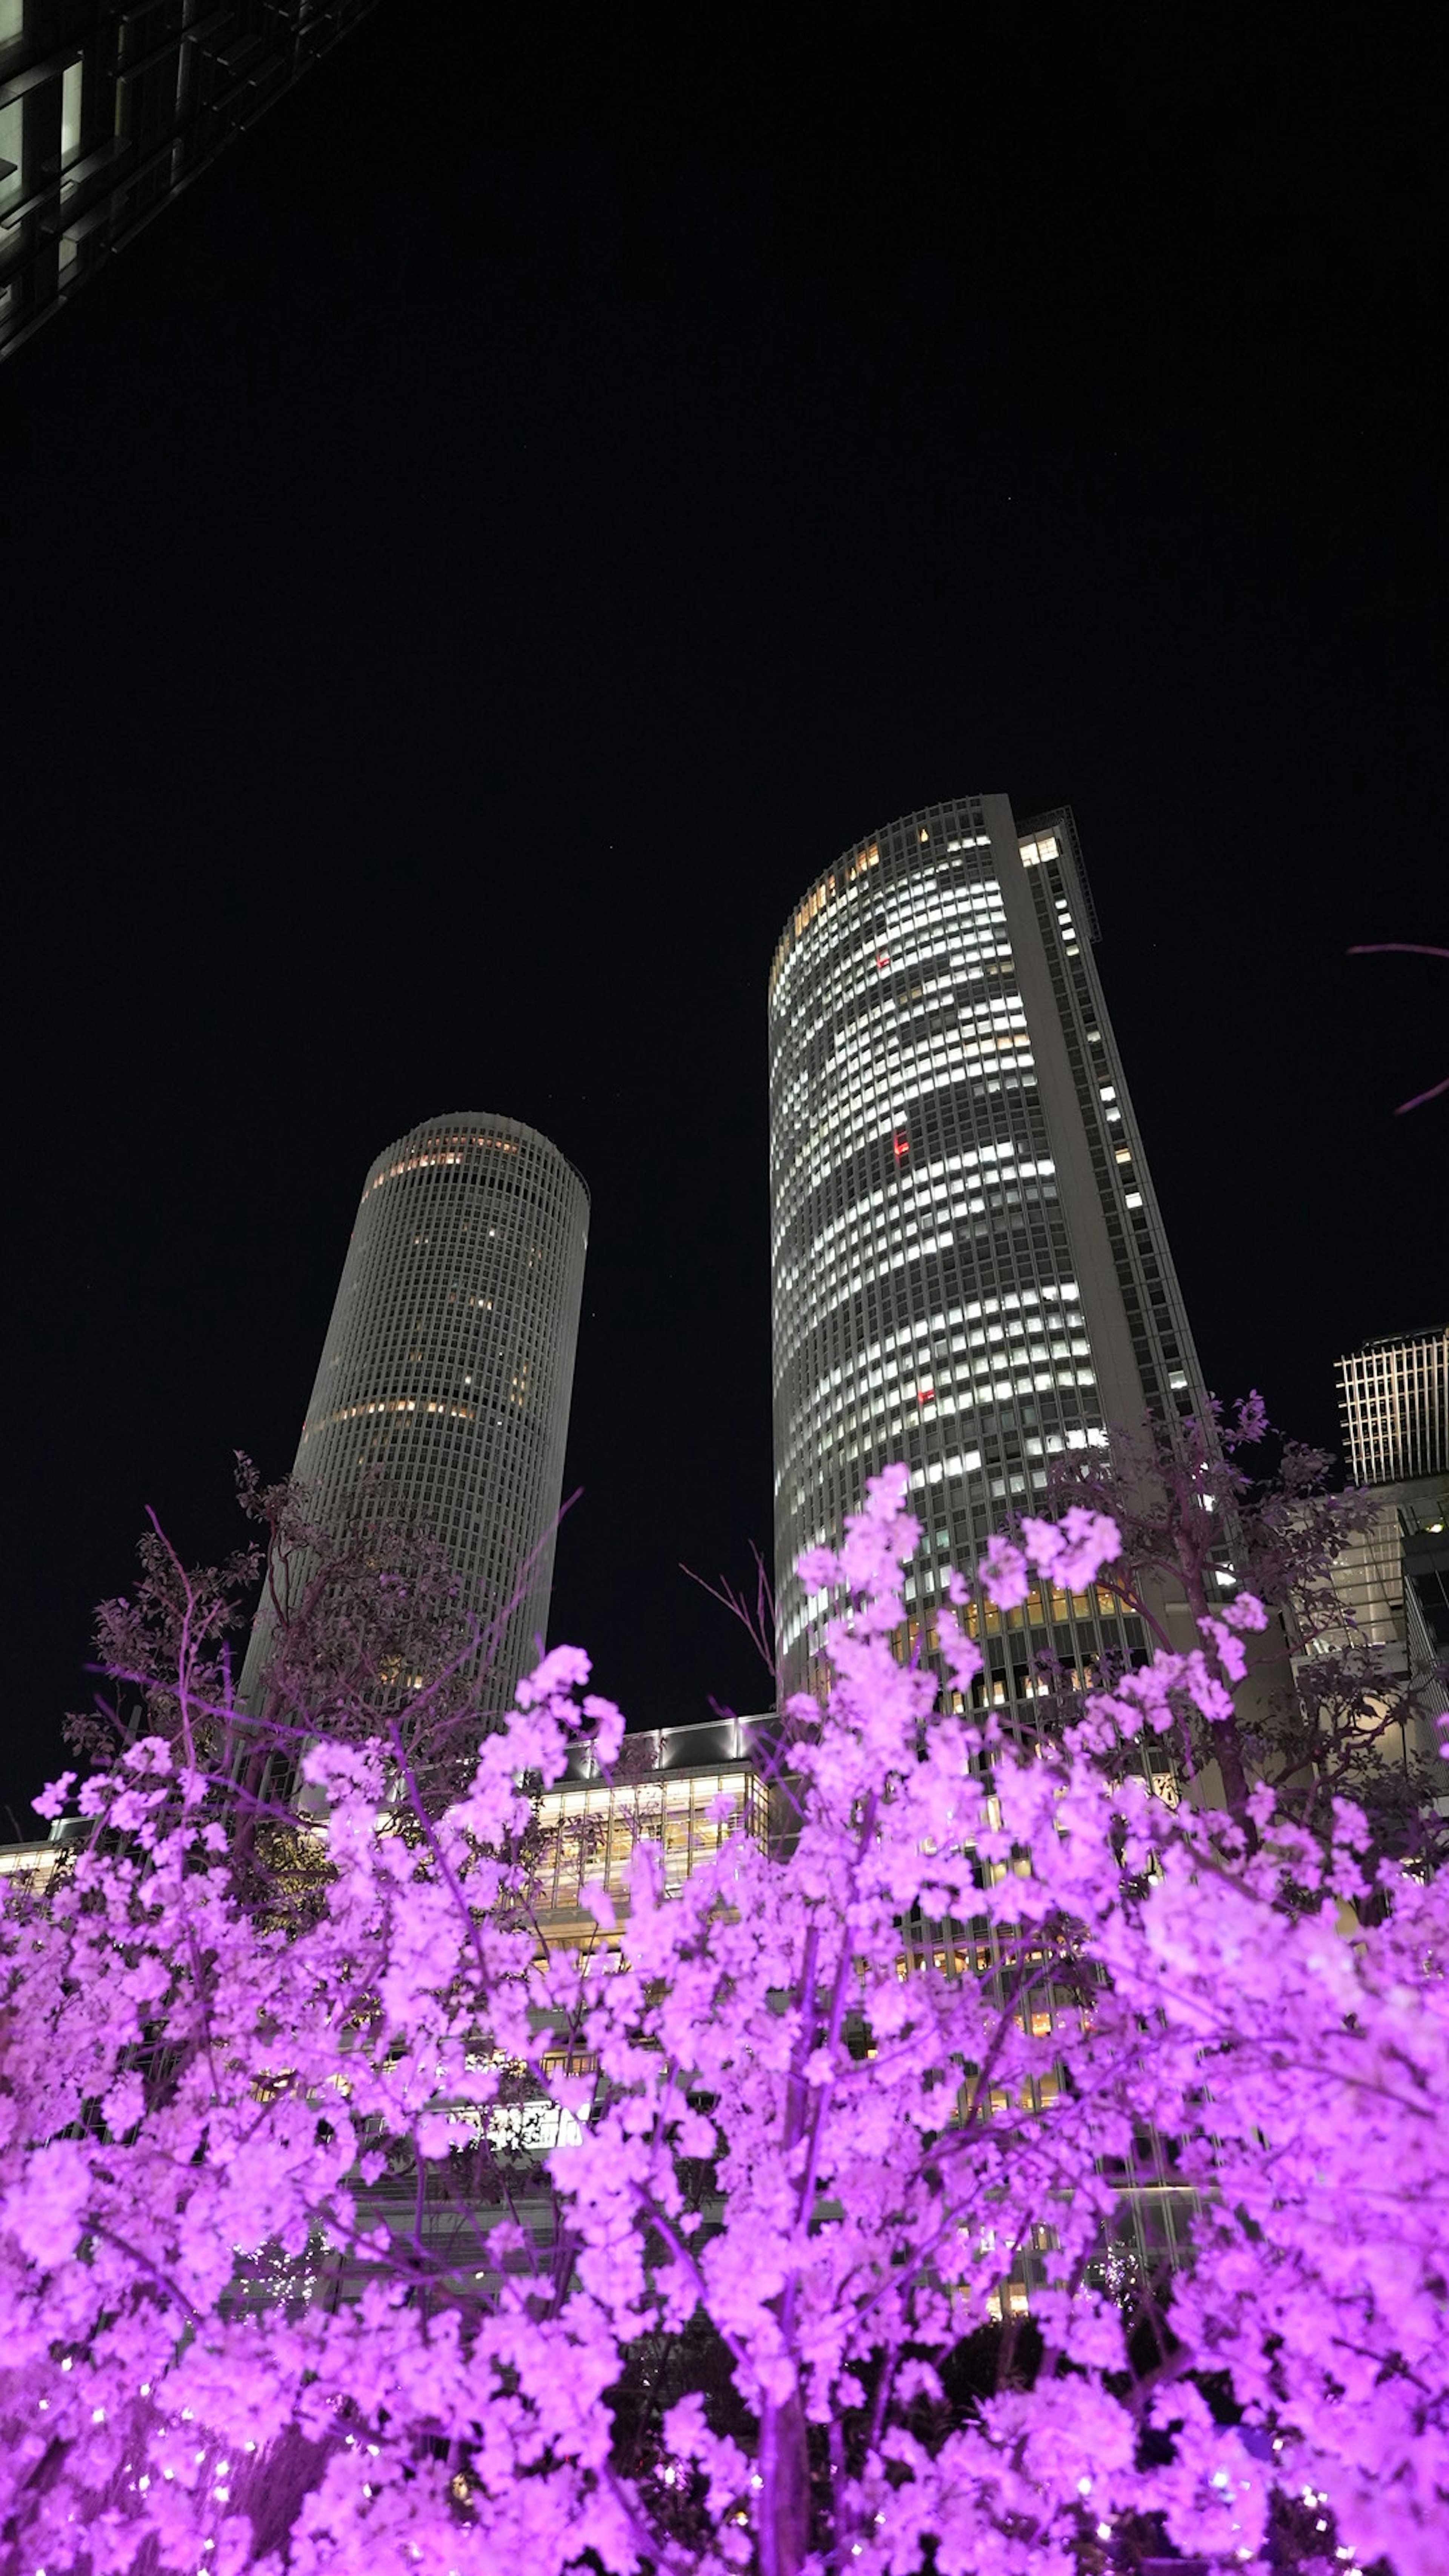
1072 1551
332 2238
1003 1573
1244 1612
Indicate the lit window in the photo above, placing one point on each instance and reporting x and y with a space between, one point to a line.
70 110
12 121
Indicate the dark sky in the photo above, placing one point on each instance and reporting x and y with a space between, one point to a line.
470 564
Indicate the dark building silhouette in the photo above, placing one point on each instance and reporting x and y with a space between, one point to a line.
108 107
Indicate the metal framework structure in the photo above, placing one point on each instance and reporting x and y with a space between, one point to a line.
109 107
1394 1398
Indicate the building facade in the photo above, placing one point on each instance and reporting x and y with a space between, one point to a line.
109 107
969 1268
668 1787
1394 1398
448 1367
1392 1575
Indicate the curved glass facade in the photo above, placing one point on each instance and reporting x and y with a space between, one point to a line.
449 1360
968 1266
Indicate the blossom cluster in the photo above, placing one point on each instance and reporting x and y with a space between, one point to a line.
282 2289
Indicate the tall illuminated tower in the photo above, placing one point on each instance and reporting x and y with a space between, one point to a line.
969 1269
449 1361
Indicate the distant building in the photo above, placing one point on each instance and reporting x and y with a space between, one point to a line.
448 1365
969 1266
108 108
1392 1578
1394 1398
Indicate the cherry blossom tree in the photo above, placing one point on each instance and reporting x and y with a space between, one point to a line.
363 1626
1325 1718
380 2236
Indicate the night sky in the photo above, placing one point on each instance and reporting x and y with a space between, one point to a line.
469 565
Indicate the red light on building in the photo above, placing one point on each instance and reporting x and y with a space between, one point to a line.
902 1146
925 1395
882 961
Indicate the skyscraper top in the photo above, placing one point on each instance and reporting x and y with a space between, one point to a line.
443 1144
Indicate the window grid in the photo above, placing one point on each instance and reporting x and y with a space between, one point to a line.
1394 1398
448 1363
925 1284
588 1834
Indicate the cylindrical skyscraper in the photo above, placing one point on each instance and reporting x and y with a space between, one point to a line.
449 1361
968 1266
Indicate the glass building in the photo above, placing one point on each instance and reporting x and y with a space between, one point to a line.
449 1362
969 1269
667 1787
109 107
